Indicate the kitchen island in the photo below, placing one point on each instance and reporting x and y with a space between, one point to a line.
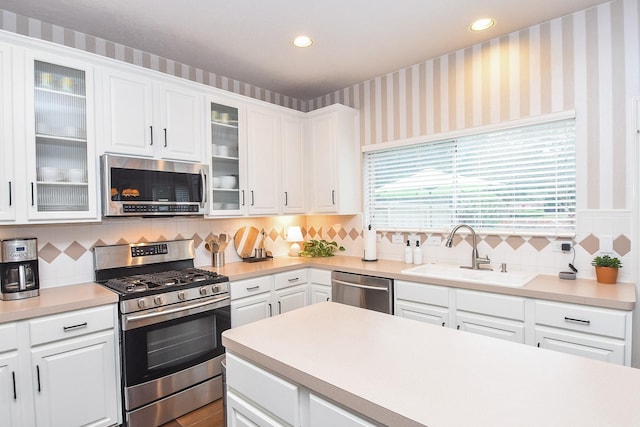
395 371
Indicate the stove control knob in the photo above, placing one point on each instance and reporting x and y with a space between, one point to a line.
142 303
182 296
159 300
203 291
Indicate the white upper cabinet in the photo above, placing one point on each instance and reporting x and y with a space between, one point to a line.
293 160
127 113
150 117
263 161
334 161
7 177
183 121
58 128
227 153
256 153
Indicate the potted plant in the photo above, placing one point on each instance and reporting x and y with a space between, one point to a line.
606 269
320 248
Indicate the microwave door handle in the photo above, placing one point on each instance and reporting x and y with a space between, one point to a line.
204 191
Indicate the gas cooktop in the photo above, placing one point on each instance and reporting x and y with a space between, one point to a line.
140 283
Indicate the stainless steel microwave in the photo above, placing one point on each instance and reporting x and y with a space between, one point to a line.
133 186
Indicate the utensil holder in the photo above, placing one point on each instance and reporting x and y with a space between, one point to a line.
217 259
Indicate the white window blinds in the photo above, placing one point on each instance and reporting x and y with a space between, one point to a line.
518 180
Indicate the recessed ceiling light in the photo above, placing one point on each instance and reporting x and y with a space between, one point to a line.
302 41
482 24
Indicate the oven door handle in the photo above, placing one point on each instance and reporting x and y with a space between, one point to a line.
140 320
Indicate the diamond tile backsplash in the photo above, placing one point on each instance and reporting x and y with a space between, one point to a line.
66 250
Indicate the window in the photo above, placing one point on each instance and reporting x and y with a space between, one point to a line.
517 180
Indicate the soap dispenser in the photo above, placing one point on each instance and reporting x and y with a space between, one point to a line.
417 253
408 254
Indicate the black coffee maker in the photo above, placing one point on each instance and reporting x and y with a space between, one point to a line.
19 268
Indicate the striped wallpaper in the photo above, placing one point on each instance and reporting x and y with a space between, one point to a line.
587 62
30 27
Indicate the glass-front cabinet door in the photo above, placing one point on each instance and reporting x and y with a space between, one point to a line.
62 157
227 159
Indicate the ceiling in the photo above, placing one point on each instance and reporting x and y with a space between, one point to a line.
250 40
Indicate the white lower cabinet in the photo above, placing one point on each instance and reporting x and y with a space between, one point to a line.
256 397
579 344
241 413
424 303
598 333
63 371
75 382
319 285
493 315
266 296
324 413
10 404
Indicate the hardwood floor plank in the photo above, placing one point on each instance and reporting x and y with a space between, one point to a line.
211 415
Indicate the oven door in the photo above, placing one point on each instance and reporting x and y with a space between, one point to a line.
170 350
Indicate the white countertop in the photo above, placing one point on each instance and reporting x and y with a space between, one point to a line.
582 291
402 372
621 296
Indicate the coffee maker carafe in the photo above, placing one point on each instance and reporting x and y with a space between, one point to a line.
19 269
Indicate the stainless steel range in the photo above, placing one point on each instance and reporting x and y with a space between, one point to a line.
172 316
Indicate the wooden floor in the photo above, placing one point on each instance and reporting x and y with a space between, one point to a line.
211 415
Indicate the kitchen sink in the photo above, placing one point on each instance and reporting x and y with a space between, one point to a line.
483 276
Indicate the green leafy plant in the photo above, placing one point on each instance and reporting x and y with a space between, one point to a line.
606 261
320 248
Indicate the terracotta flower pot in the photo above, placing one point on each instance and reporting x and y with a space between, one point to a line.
608 275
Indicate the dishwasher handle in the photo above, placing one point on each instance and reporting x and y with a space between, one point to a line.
357 285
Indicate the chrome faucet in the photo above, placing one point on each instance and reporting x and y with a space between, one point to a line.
476 261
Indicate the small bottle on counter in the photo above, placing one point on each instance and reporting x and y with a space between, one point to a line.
408 254
417 253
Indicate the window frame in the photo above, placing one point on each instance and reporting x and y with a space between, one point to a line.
566 229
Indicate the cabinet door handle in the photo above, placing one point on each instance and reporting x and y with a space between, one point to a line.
151 131
72 327
333 197
286 198
443 324
242 197
252 199
165 137
38 376
328 299
10 193
538 345
458 327
15 394
33 202
270 311
279 307
574 320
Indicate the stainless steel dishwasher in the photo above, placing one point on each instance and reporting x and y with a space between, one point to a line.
372 293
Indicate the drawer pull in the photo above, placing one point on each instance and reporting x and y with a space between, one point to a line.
253 288
72 327
295 279
580 321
